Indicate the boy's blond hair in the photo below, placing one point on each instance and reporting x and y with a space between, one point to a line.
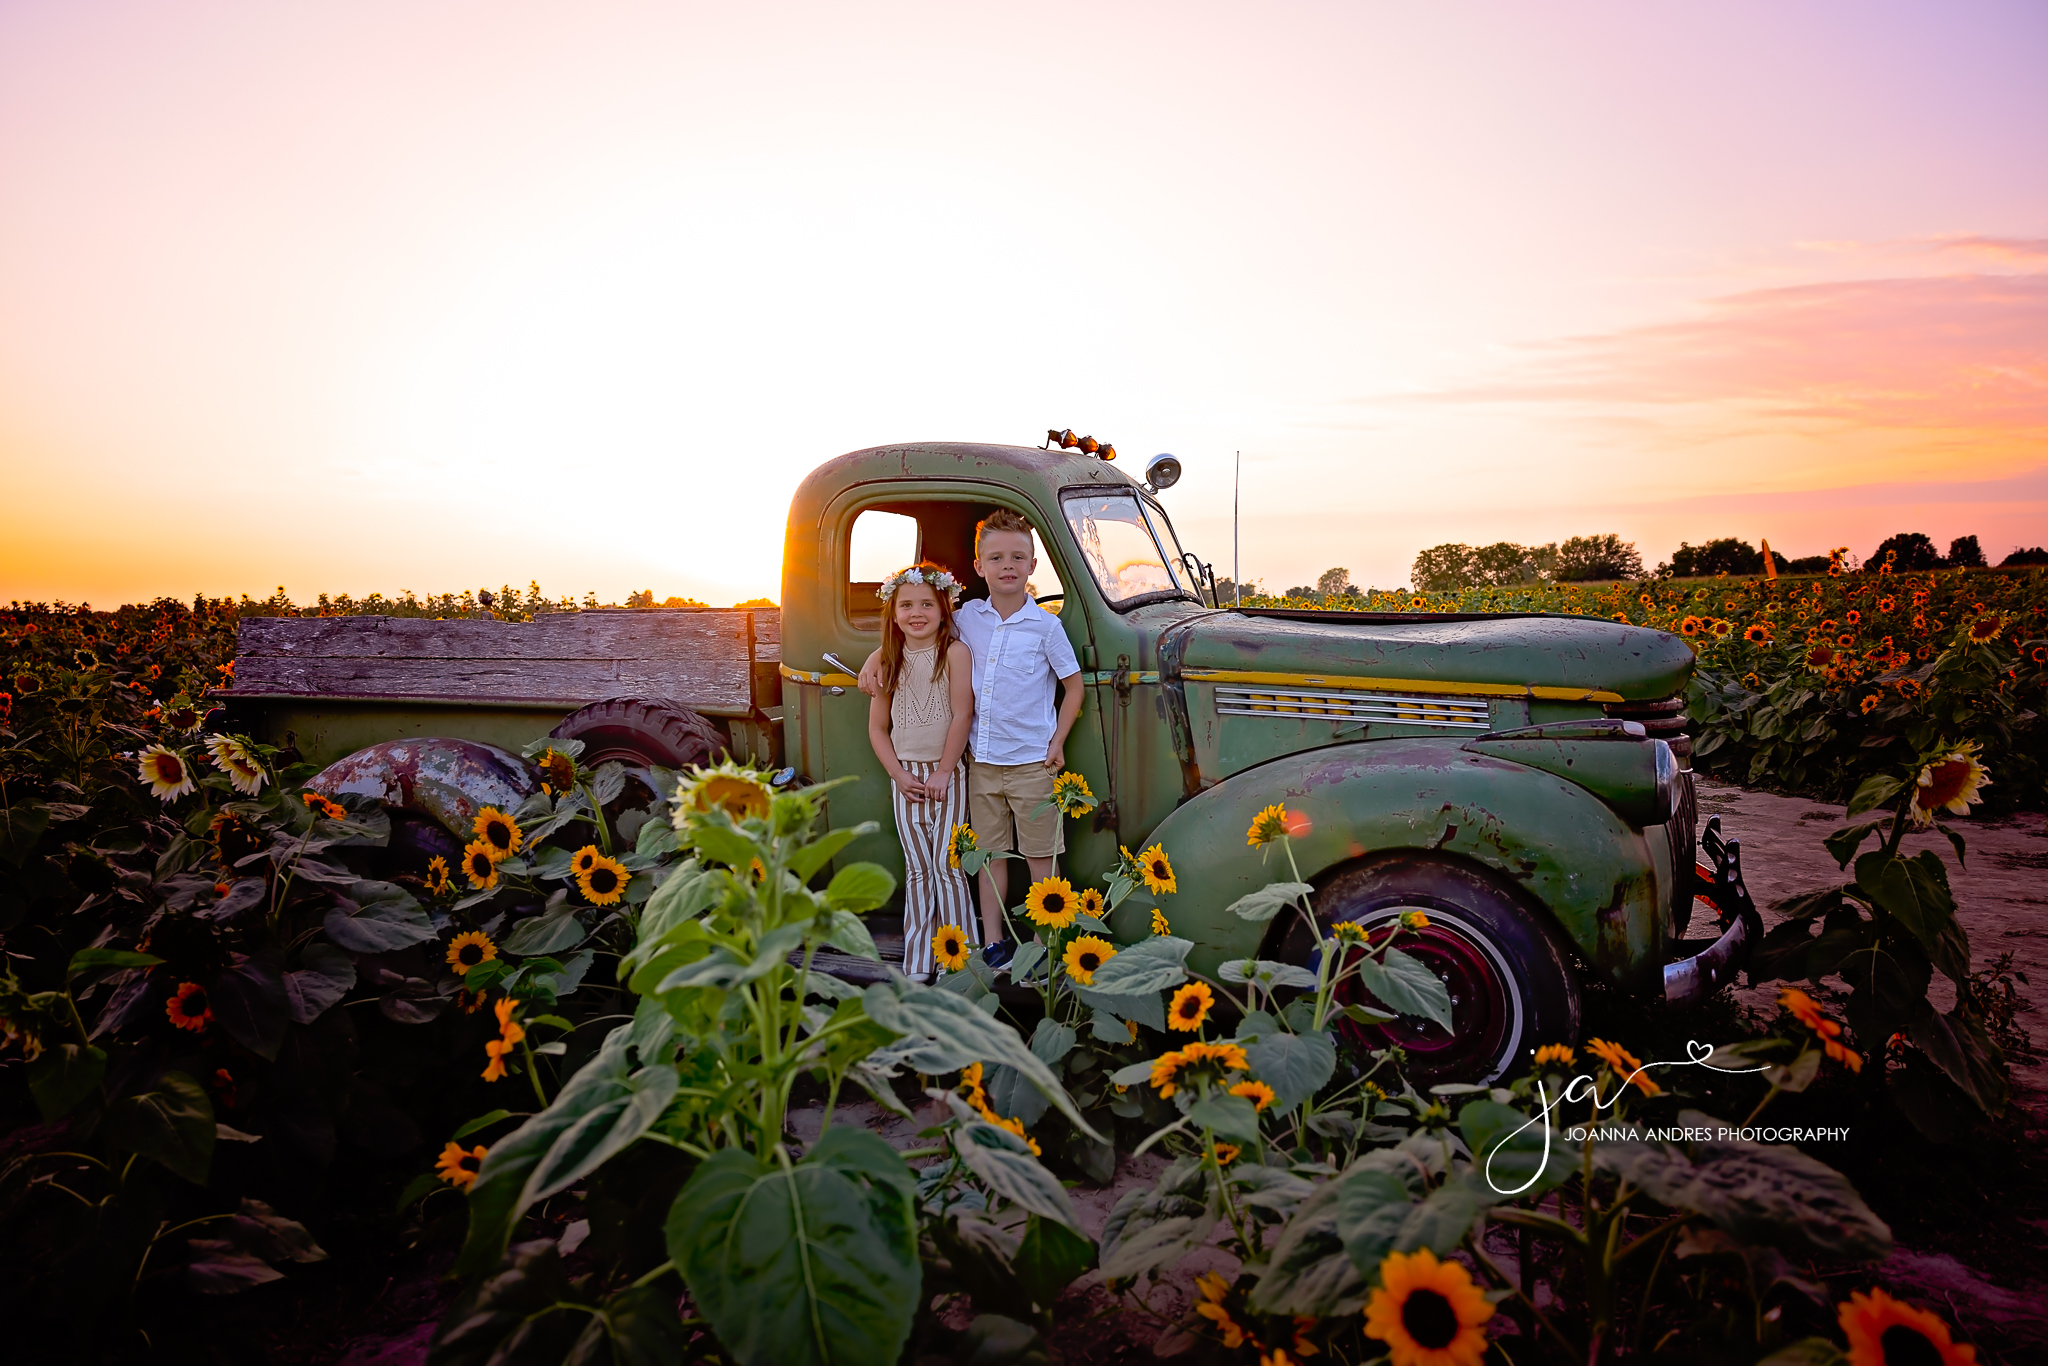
1002 519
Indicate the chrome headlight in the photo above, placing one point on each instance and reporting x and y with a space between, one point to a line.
1667 783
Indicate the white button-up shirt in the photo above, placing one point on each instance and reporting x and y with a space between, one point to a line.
1018 663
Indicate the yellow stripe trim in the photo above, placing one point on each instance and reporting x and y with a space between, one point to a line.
1541 691
819 680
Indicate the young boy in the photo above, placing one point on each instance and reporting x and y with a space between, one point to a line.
1022 661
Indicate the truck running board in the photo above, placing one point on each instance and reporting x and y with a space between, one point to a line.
1689 981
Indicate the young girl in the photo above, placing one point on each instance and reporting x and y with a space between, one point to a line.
918 725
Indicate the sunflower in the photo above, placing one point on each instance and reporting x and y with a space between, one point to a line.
1909 688
1213 1289
1919 597
1257 1092
1758 634
1986 629
510 1033
557 772
585 859
1091 903
1621 617
1269 825
605 883
1157 871
970 1085
1167 1068
458 1165
1414 920
2039 654
1845 640
1690 626
479 867
1869 704
1071 795
232 757
1624 1064
1559 1053
438 879
1887 605
1190 1007
1051 903
1429 1313
1952 784
1722 628
1349 932
321 806
738 792
1919 621
949 946
498 832
1819 657
189 1008
165 770
236 838
1085 955
961 841
1883 1331
1852 617
1808 1013
468 949
1159 922
1226 1153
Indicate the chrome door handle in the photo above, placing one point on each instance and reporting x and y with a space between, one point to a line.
836 662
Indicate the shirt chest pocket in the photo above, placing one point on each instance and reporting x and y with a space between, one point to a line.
1020 660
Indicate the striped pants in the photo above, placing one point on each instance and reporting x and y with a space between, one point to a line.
934 892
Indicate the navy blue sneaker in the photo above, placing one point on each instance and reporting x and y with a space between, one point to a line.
1000 953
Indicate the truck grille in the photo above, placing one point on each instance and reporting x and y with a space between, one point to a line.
1396 709
1663 720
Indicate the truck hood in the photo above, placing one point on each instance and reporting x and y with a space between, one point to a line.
1556 657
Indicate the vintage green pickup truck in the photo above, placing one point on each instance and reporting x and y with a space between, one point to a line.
1520 777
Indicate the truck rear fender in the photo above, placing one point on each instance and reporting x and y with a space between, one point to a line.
1602 881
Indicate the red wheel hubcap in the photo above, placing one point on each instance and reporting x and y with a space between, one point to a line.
1482 1010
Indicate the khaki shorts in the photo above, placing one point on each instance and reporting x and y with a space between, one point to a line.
1003 796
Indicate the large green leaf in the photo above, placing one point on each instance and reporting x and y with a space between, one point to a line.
953 1033
1772 1194
1147 1008
250 1002
173 1124
601 1110
826 847
1512 1153
1874 792
1052 1041
378 917
1269 900
1150 1229
1231 1116
324 978
1013 1097
636 1327
554 930
860 887
64 1075
808 1264
1052 1257
1003 1162
1372 1208
1308 1270
86 959
1151 965
1445 1216
1403 984
1296 1066
1960 1047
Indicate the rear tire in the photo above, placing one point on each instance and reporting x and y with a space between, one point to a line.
1509 973
641 733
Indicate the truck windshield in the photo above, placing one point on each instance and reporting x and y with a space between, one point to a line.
1117 541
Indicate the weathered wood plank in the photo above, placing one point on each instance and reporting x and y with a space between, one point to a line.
645 634
720 686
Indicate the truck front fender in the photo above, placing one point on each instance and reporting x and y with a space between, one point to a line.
1601 880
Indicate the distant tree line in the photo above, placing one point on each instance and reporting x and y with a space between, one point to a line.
1451 567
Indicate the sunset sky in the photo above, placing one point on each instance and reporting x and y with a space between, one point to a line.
441 295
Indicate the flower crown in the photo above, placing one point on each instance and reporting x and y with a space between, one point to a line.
938 580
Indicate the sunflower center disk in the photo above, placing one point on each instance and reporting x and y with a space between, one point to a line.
1429 1319
1905 1346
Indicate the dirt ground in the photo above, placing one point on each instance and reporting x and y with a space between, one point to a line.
2002 900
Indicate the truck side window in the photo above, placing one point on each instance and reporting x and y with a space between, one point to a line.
880 544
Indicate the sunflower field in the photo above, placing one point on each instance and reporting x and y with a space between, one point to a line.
1811 685
265 1053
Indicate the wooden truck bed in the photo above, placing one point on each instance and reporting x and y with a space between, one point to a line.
332 685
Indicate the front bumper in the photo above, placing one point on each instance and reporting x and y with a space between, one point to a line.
1691 980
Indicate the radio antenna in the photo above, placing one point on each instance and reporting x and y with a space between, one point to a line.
1236 573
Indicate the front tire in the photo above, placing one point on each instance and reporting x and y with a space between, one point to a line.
1509 973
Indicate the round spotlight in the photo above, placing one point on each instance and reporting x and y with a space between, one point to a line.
1162 471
